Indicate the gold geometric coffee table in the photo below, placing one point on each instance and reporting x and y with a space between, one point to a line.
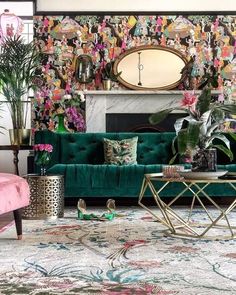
180 226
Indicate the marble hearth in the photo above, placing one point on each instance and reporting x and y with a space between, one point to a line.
100 103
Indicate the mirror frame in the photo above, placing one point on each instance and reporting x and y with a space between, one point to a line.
148 47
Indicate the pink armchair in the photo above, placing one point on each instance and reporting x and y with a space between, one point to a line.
14 194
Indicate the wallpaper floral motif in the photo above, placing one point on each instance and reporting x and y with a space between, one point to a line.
209 39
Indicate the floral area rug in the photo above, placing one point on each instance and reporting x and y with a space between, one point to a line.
128 255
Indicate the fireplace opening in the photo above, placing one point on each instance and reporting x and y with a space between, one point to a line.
146 128
139 123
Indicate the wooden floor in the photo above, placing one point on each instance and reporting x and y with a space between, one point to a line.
5 219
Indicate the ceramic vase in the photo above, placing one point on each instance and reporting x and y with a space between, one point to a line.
61 124
205 160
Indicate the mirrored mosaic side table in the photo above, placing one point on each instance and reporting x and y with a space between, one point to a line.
46 197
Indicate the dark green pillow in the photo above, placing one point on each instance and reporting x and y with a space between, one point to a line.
121 152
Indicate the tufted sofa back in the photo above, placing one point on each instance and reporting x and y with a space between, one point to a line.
87 148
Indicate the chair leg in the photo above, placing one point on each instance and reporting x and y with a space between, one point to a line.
18 223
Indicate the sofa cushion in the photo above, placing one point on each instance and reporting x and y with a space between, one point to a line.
103 180
119 181
109 180
120 152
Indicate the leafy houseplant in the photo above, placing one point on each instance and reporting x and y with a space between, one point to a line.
18 64
108 75
196 132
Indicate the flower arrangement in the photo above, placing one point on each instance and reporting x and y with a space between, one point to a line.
41 147
61 109
200 127
69 107
42 156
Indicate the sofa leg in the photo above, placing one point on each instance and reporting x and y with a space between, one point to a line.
18 223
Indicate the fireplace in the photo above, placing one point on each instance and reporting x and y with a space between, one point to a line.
128 110
138 123
100 105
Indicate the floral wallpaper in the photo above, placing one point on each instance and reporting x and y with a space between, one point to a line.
209 39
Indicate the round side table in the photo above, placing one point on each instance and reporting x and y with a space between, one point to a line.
46 197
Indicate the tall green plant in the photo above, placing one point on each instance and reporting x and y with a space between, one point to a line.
18 64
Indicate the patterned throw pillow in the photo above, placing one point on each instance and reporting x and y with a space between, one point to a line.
120 152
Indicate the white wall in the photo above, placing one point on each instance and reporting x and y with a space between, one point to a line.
6 157
18 8
136 5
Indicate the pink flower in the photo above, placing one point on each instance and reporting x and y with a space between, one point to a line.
48 148
76 117
189 100
43 147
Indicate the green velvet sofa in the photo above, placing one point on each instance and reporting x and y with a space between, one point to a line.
80 158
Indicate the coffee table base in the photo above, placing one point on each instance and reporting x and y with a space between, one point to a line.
178 233
185 228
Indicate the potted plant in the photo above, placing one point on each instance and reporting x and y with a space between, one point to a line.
108 76
201 130
18 64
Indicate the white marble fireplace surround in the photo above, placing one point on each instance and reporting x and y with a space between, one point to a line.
99 103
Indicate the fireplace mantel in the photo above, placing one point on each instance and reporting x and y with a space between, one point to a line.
99 103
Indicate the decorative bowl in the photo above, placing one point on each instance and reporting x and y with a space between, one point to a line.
188 174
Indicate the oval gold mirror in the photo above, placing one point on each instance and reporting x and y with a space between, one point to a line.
150 67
